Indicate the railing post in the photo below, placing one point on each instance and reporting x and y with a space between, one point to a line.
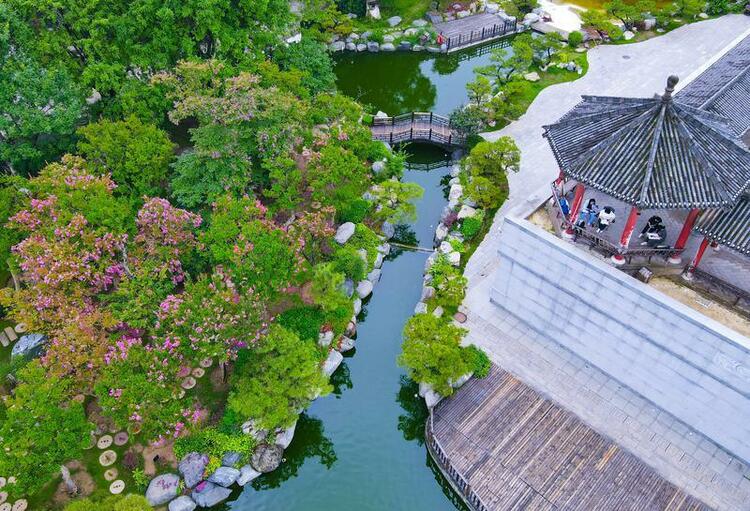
482 32
391 137
430 119
430 138
411 133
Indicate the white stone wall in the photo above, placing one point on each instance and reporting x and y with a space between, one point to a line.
683 362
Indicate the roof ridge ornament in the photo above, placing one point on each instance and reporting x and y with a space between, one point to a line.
671 83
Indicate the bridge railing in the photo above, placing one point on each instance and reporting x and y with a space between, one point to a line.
498 30
417 126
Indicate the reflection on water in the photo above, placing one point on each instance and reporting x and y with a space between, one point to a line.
401 82
315 445
362 448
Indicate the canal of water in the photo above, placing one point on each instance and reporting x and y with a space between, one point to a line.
362 448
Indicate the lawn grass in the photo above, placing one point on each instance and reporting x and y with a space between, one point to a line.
408 9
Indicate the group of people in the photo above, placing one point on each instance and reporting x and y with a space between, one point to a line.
654 233
591 215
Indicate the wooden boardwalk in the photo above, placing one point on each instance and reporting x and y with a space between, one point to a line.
505 447
471 30
416 126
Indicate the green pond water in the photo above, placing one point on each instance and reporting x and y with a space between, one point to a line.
362 448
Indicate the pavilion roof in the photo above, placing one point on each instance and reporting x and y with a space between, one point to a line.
730 227
654 153
724 87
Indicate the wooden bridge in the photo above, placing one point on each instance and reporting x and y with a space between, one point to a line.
417 126
472 30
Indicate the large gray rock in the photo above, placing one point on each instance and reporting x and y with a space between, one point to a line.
361 47
364 289
183 503
431 398
384 249
441 232
420 308
419 23
455 192
351 46
394 20
345 344
388 229
379 260
337 46
348 287
344 232
404 46
28 345
357 306
284 438
266 457
332 363
387 47
378 166
192 467
374 275
162 489
373 46
325 338
427 293
224 476
231 459
247 474
209 494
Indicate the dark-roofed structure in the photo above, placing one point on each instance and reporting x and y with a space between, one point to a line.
724 88
652 153
730 228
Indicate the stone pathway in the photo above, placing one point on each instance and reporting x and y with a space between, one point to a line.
673 449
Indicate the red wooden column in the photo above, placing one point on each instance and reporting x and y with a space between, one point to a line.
627 232
688 275
575 208
687 227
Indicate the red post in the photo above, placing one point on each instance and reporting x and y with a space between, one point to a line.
575 208
687 228
688 275
560 178
627 232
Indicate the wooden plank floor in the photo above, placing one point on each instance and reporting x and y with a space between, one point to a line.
520 451
468 24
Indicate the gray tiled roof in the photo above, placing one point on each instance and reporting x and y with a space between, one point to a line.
724 87
730 227
654 153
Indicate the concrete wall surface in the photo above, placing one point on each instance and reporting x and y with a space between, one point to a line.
685 363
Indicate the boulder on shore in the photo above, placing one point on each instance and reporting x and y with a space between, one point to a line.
209 494
266 458
162 489
224 476
247 474
332 363
345 344
183 503
364 289
284 438
192 467
388 229
394 20
344 232
231 458
431 398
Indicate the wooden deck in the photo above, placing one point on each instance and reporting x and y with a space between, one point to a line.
508 448
416 126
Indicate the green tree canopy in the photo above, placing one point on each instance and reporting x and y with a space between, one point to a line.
42 429
274 381
136 154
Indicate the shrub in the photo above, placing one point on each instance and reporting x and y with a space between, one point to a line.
327 284
348 262
354 211
470 227
575 39
214 443
364 237
140 479
431 352
304 321
478 360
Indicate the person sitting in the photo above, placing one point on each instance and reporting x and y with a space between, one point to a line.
588 215
654 233
606 218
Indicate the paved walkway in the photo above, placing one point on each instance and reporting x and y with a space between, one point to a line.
674 450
